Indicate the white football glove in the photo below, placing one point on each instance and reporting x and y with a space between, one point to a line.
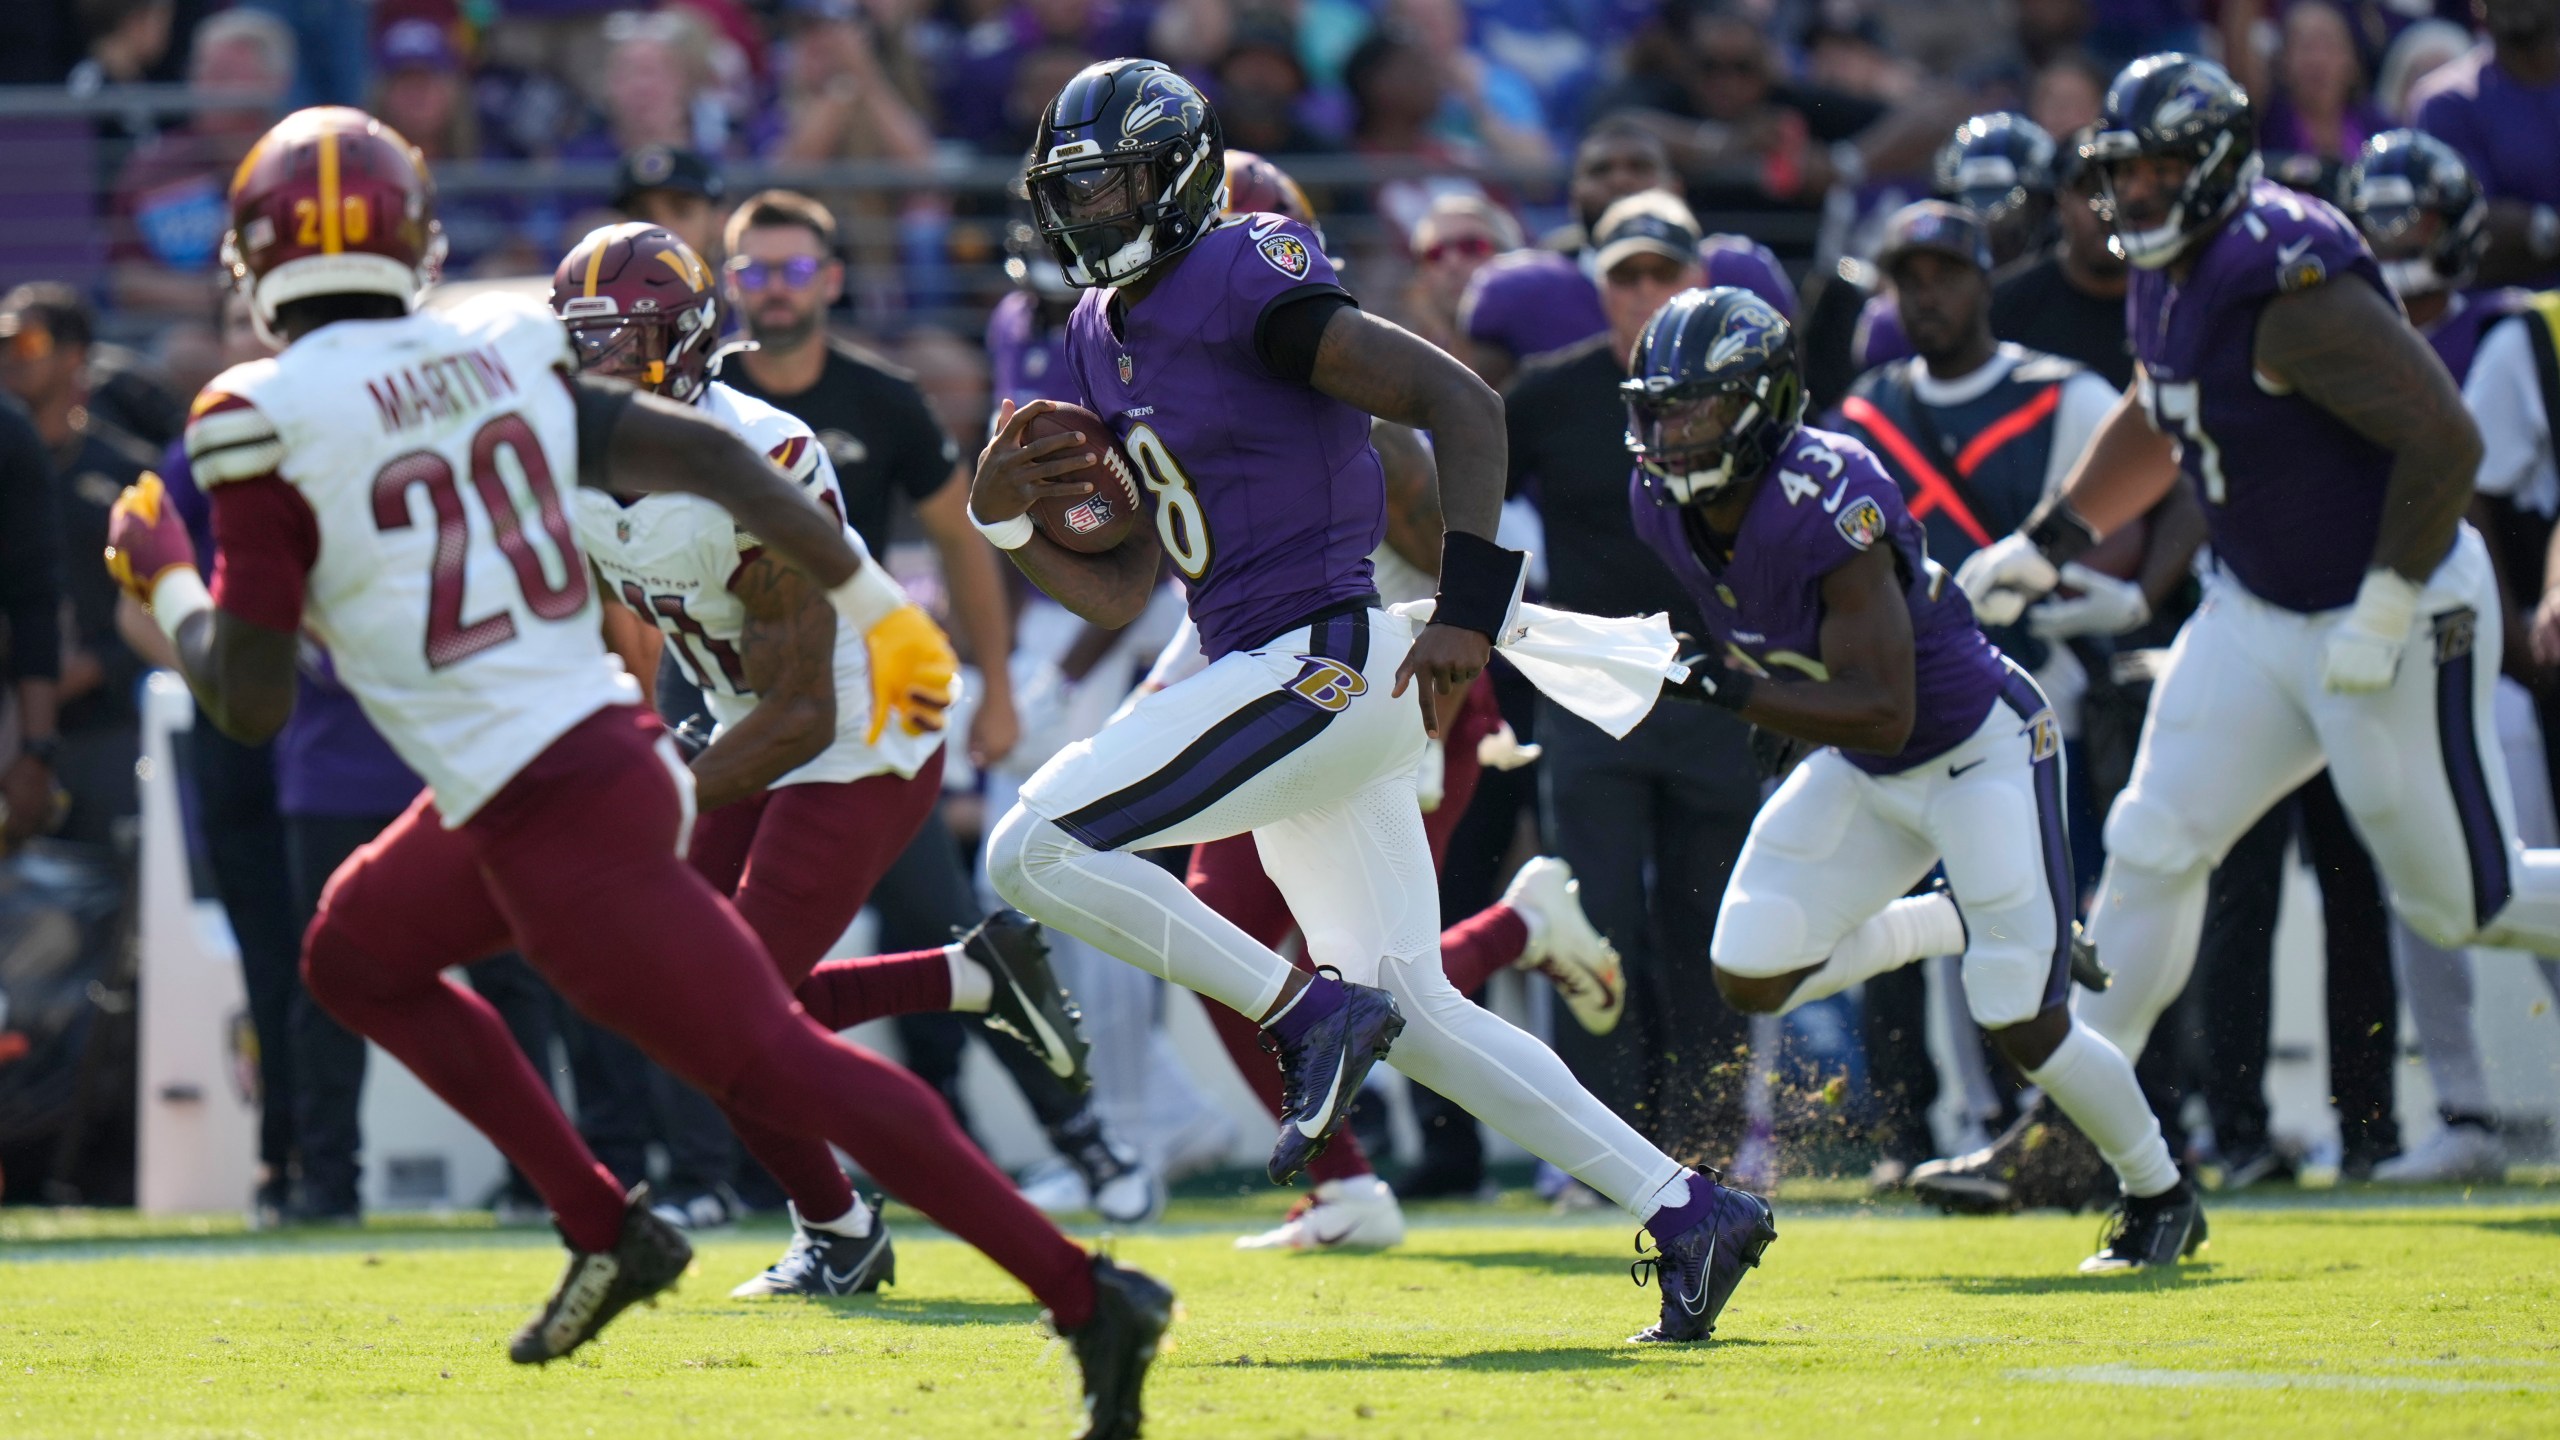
2004 577
2363 653
2104 606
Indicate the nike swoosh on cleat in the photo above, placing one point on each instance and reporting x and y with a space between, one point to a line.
1706 1274
1324 1241
839 1280
1051 1048
1340 1063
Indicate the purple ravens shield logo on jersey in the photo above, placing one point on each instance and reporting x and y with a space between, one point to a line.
1286 254
1862 524
1165 102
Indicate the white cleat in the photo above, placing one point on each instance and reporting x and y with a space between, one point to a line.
1355 1214
2454 1155
1564 947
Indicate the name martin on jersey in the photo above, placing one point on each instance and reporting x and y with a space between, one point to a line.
440 389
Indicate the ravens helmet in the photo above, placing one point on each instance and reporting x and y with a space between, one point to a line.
2400 178
1997 165
1714 393
1127 169
2175 106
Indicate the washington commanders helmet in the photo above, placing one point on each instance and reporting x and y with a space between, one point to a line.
1714 392
641 306
1127 170
331 201
2176 106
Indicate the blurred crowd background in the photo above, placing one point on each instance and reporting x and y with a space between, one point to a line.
1434 138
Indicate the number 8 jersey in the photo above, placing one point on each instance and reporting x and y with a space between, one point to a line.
398 486
2293 498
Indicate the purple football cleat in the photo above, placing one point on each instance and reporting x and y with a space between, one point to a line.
1321 1070
1700 1267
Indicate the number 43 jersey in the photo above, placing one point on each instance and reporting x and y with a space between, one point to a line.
399 486
674 558
2292 497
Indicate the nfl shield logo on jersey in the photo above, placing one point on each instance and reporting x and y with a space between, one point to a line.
622 530
1862 524
1287 254
1126 370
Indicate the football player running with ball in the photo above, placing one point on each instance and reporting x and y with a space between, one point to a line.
828 752
2353 622
1831 626
1242 380
395 480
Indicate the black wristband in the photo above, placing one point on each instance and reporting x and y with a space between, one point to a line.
2058 532
1729 686
1479 583
45 750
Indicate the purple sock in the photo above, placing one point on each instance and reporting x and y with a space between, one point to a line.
1673 1221
1322 998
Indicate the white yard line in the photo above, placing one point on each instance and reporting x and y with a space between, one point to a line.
2143 1379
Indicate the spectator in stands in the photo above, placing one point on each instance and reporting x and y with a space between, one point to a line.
2070 302
421 89
2500 106
1651 824
1262 92
2319 117
2420 51
2066 93
126 39
1846 50
678 189
1532 302
657 88
1486 107
168 208
1458 236
837 101
30 629
979 82
45 332
1398 92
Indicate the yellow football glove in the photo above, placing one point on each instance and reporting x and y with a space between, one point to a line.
145 538
913 672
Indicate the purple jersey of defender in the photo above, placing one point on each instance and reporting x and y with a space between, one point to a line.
1265 491
1824 503
2292 497
1024 361
2457 336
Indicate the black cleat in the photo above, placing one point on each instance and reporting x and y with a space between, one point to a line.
826 1262
2041 1162
1114 1347
1029 1004
2143 1232
1700 1269
2086 972
600 1284
1320 1076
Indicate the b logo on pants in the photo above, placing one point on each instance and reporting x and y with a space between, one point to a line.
1328 684
2455 631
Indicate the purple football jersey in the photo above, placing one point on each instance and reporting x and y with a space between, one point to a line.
1825 502
1026 362
2292 497
1530 302
2457 334
1265 491
2504 128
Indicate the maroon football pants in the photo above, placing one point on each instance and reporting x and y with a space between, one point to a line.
1228 877
574 864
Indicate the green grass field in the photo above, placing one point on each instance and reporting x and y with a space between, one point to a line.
2345 1314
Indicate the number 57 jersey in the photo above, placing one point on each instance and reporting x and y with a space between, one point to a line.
397 486
2292 496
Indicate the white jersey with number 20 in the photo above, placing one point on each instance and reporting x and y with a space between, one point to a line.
437 453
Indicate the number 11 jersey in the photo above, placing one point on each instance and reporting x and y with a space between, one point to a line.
398 486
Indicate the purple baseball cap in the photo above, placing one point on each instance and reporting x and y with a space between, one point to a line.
1743 261
415 44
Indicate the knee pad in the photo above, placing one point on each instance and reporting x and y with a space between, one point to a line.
1014 851
1761 935
2147 835
2004 982
2446 925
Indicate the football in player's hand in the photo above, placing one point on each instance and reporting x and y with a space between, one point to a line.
1087 524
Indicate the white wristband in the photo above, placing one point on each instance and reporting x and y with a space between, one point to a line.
1010 534
177 594
866 599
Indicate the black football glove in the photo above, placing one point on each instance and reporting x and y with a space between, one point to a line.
1712 679
1776 754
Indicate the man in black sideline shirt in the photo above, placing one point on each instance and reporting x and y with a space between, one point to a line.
2070 302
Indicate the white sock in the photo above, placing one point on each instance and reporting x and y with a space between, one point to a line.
1536 924
1911 928
972 988
855 1222
1673 1194
2093 1083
